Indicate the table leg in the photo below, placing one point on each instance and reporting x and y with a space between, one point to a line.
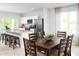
48 52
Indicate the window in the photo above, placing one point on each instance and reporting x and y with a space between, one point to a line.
7 21
68 21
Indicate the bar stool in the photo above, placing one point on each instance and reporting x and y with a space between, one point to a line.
17 41
7 37
3 37
14 41
11 42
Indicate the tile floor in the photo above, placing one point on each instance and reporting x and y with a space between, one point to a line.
8 51
75 51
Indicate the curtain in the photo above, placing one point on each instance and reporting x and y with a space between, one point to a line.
67 20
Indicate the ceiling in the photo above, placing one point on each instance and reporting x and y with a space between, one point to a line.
26 7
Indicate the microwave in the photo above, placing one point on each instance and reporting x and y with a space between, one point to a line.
30 21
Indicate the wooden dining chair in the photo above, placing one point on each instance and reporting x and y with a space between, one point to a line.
38 51
61 50
14 41
61 34
32 48
68 45
62 47
26 46
33 36
30 45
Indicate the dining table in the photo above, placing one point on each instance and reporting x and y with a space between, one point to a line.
46 46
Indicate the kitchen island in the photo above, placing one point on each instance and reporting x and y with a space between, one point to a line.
20 34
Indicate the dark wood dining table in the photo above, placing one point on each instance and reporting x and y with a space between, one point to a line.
47 46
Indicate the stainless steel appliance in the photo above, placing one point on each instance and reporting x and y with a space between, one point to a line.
37 25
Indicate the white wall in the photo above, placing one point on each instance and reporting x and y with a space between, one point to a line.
52 21
36 12
46 16
49 18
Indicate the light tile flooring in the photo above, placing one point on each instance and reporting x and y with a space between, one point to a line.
8 51
75 51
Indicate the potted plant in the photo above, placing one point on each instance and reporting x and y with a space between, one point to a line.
48 37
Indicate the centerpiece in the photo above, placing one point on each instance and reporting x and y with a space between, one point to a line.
48 37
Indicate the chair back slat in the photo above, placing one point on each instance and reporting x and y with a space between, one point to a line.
33 36
68 45
61 34
32 43
26 46
32 47
62 47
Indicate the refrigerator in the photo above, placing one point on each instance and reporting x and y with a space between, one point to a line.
39 26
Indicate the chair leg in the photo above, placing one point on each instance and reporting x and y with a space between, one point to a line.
25 54
5 41
14 44
69 54
2 38
19 43
10 41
